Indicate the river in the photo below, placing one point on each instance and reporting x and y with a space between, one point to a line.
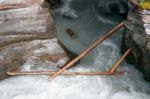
89 22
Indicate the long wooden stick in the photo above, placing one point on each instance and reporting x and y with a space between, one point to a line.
116 65
112 71
63 73
87 50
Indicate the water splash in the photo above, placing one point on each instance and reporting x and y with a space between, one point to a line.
130 86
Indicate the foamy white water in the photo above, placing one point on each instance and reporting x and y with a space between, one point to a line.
129 86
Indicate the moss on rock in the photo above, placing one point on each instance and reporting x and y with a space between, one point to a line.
144 4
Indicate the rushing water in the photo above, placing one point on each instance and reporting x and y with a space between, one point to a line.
86 19
129 86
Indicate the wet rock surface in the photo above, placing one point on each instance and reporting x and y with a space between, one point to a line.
45 53
137 37
21 24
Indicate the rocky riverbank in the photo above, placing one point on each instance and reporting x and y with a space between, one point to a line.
25 25
137 37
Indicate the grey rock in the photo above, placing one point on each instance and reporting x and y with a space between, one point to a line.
21 23
136 36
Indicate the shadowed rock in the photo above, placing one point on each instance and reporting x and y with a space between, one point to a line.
137 37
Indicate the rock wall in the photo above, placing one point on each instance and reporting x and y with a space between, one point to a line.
22 22
137 37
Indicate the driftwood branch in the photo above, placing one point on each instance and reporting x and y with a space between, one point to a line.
112 71
116 65
63 73
101 39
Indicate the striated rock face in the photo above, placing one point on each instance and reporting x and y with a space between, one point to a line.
37 53
22 22
137 37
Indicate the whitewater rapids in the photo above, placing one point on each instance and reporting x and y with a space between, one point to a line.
129 86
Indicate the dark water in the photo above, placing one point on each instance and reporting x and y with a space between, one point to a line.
87 20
